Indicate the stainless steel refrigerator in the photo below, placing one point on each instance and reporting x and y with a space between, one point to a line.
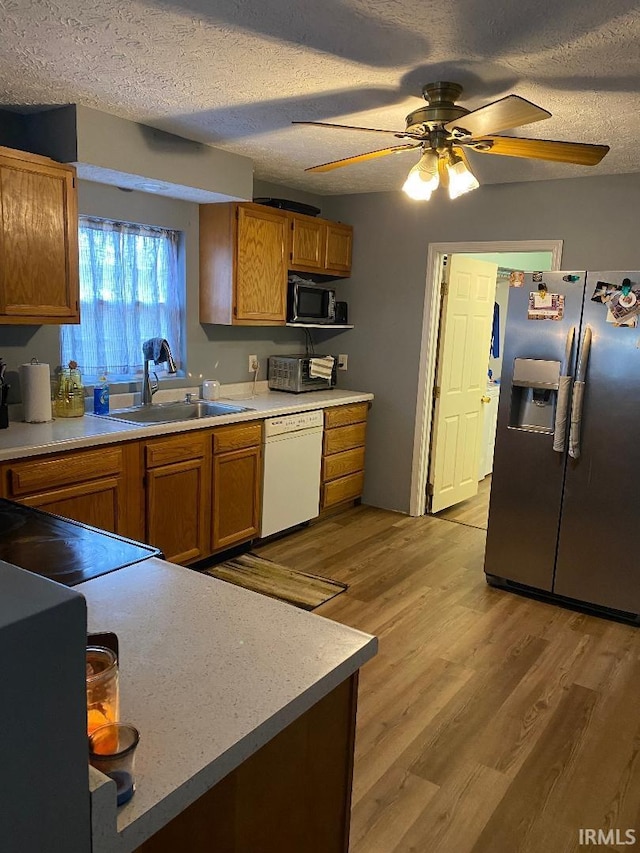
563 515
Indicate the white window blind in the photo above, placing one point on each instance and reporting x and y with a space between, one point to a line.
130 290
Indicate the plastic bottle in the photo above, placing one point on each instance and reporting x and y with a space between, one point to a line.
101 397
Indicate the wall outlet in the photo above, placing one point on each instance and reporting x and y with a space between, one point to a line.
253 363
343 362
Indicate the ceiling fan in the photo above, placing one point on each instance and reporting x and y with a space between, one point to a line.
443 130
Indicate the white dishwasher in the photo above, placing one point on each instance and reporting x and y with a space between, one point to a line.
292 460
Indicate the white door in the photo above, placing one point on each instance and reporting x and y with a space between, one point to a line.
463 358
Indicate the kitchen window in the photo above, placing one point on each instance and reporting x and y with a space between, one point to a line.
131 289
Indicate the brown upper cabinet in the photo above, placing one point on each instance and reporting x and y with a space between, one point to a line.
246 251
320 246
337 256
38 240
243 265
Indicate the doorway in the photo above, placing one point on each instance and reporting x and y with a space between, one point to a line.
525 255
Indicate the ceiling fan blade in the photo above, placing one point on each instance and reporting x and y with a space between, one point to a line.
359 158
508 112
541 149
398 133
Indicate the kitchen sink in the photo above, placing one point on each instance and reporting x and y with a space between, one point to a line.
165 413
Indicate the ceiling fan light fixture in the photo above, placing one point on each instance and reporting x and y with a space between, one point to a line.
423 178
461 178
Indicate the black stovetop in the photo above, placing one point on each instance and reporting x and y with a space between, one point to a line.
63 550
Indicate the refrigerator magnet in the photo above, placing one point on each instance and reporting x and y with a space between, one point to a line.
632 321
604 292
545 306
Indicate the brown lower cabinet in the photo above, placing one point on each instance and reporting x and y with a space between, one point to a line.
237 484
189 494
177 495
292 796
345 430
96 486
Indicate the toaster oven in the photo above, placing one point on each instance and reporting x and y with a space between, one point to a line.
293 373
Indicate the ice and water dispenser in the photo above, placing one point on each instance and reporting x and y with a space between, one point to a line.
534 393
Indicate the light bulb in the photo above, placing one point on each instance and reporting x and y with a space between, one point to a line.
423 178
461 179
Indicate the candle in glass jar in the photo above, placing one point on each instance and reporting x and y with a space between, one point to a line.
102 688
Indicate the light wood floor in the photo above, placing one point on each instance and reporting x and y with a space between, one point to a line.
475 511
488 722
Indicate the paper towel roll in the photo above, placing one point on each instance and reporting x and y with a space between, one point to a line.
35 385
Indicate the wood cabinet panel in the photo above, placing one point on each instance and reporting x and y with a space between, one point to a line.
67 468
341 464
261 265
176 448
343 489
320 245
96 503
292 795
176 510
344 438
243 264
38 240
237 436
308 238
338 248
101 487
342 415
343 453
217 254
237 478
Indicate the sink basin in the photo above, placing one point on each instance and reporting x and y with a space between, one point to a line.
165 413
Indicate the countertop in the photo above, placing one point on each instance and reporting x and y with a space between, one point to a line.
22 440
209 673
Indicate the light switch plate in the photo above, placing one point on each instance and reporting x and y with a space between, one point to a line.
343 362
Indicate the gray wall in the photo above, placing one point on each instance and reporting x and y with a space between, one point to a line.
596 218
219 352
12 129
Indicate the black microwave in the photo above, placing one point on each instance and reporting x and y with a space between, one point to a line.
310 303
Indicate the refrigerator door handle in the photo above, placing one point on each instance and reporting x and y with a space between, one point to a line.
564 396
578 395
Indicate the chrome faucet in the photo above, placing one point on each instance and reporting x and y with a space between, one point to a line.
158 351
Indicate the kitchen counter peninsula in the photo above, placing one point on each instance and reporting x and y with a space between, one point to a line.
246 711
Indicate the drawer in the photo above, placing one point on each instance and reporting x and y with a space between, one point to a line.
237 436
25 477
344 489
177 448
341 415
344 438
341 464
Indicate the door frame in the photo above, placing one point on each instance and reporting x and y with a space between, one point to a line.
429 346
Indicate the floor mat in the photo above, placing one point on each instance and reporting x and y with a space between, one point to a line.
276 581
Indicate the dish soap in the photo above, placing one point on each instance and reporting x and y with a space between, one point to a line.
101 397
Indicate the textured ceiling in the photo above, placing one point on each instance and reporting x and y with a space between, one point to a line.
235 73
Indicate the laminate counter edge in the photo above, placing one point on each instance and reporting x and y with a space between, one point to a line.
22 440
209 673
